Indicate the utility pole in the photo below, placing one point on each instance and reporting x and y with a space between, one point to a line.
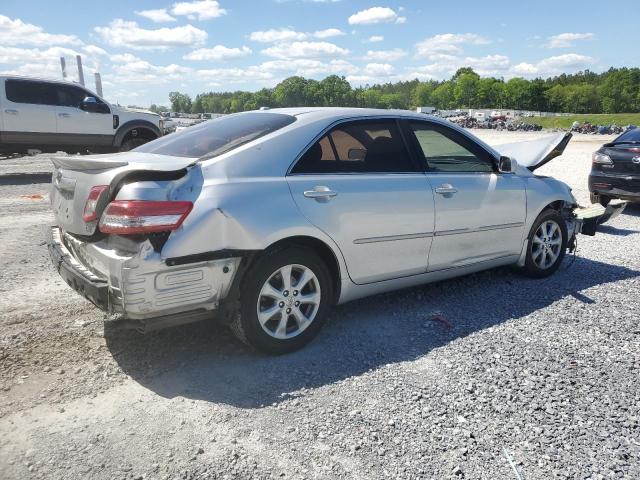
63 65
80 72
98 80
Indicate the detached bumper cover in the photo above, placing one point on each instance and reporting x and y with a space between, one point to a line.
596 215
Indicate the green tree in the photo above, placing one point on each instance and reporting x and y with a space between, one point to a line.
180 102
465 89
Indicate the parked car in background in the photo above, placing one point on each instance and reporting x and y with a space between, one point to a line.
49 115
615 172
266 219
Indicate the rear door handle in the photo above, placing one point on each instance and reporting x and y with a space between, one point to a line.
65 115
445 188
11 111
320 193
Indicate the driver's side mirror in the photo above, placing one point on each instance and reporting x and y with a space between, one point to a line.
90 104
506 165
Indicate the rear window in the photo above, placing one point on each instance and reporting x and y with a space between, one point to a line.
28 91
631 136
215 137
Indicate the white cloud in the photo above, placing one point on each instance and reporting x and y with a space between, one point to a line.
277 35
158 15
199 10
142 72
385 55
567 63
375 15
309 68
379 69
42 63
219 52
305 50
221 76
121 33
444 66
375 38
17 32
329 32
123 58
287 34
94 50
566 40
448 43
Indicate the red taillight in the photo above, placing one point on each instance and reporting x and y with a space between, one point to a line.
129 217
89 214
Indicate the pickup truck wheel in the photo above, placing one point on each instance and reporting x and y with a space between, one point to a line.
284 301
546 246
601 199
132 143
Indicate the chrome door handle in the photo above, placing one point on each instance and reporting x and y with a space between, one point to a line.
65 115
320 192
11 111
445 188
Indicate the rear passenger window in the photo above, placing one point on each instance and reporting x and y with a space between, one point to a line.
27 91
358 147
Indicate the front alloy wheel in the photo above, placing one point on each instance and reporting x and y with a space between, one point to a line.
547 245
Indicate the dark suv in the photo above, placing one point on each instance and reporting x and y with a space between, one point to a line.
615 171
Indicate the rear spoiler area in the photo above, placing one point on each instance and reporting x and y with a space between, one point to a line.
536 153
87 163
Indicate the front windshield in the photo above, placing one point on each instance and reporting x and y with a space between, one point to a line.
215 137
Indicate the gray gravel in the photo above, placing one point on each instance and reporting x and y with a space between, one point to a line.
449 380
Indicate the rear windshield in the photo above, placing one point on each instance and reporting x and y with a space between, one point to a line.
215 137
630 136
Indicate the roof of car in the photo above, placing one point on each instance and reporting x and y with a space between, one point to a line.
41 79
345 112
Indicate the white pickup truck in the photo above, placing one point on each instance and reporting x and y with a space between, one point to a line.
50 116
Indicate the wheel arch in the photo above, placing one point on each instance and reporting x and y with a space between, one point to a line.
559 205
323 250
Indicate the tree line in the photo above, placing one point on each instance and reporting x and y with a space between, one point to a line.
614 91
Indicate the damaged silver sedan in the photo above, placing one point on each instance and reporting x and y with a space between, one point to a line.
265 220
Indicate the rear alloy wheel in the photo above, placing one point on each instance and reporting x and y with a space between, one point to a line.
288 301
547 245
284 301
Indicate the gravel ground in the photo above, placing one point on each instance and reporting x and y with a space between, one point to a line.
519 378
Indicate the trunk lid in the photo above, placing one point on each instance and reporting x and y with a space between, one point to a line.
74 176
625 157
535 153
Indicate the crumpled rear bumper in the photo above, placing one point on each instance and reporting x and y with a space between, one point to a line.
139 286
90 286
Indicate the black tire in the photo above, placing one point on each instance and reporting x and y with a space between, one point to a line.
601 199
531 268
246 326
131 143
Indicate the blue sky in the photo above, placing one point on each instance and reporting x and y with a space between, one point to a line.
145 49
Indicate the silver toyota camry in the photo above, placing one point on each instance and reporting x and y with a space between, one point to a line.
264 220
